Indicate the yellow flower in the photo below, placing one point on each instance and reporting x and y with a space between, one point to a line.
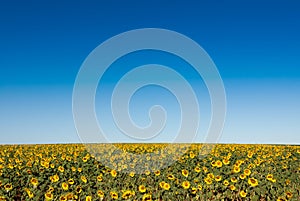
199 187
269 177
236 169
48 196
71 181
247 172
113 173
100 194
88 198
194 190
211 175
233 180
208 181
166 186
84 159
127 194
83 179
289 194
114 195
242 176
54 178
185 173
34 181
157 173
78 189
219 164
281 199
51 189
232 187
226 161
147 197
253 182
61 169
218 178
226 182
243 194
8 187
161 184
142 188
171 177
29 193
197 169
65 186
186 184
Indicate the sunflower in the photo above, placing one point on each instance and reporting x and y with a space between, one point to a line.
219 164
242 176
78 189
170 177
48 196
197 169
8 187
83 179
84 159
157 172
233 180
88 198
243 194
161 184
211 176
236 169
281 199
194 190
232 187
147 197
114 195
186 184
100 194
50 189
131 174
253 182
208 181
226 182
71 181
247 172
218 178
142 188
185 172
34 182
65 186
29 193
166 186
61 169
113 173
289 194
226 161
269 177
55 178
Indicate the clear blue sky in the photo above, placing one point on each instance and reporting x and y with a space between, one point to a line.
254 44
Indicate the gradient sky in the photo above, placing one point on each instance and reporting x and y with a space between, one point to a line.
254 44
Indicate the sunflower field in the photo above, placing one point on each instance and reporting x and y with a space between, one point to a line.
226 172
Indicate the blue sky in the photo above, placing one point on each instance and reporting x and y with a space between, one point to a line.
254 44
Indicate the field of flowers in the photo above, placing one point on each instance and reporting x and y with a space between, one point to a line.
227 172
